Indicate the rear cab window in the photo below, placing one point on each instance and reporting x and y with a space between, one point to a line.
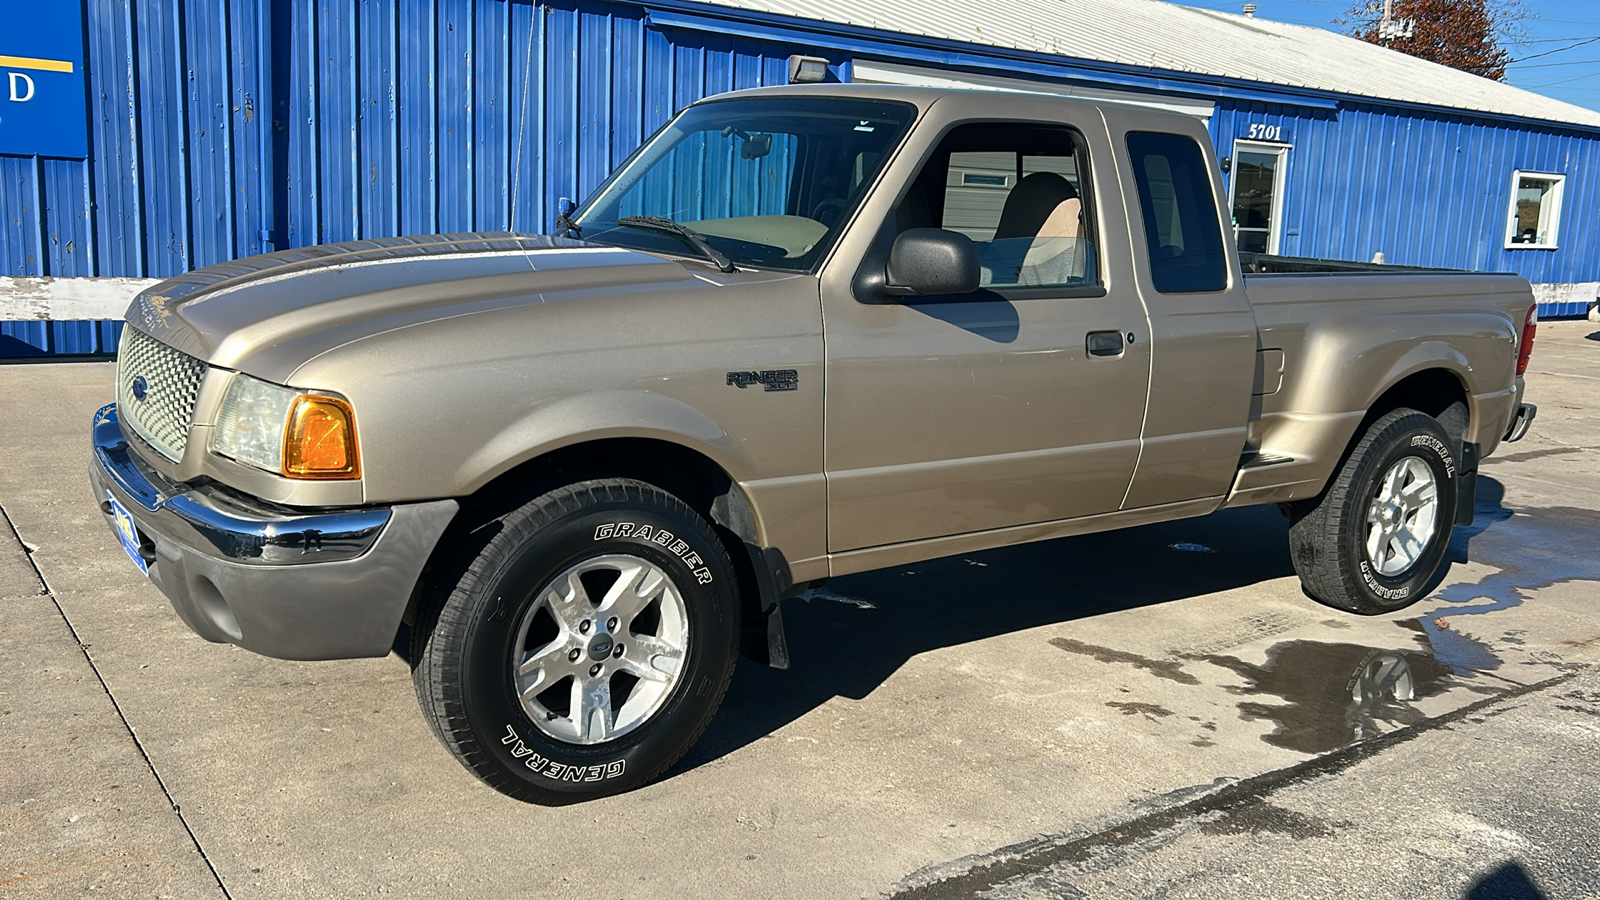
1187 253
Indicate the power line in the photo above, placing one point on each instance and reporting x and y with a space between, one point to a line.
1557 50
1575 62
1559 40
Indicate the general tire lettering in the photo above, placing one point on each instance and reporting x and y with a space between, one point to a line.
560 771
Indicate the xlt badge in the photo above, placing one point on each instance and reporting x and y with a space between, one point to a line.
774 379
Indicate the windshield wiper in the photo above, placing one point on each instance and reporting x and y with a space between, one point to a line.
564 223
662 223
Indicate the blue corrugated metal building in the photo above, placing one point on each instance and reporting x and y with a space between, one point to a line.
217 129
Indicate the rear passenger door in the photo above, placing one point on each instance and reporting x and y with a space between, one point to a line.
964 413
1201 324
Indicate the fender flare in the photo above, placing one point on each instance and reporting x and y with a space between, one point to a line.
600 415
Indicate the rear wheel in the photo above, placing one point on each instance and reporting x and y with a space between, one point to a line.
585 647
1374 540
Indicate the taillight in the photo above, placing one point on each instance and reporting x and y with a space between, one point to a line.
1529 326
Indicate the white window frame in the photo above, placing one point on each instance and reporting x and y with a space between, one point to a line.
1558 183
1280 182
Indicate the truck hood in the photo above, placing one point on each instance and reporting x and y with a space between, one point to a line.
272 313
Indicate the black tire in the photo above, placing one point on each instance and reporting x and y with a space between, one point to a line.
1328 535
470 634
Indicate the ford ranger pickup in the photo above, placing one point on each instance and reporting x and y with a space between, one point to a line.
802 332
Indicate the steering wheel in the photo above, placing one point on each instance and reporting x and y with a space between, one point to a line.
830 207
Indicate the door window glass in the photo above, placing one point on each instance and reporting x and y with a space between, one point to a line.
1257 181
1180 214
1015 189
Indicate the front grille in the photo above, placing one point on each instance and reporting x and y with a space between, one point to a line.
171 384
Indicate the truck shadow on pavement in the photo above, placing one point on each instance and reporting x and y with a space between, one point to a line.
850 636
1509 882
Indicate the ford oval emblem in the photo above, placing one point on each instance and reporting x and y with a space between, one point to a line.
140 387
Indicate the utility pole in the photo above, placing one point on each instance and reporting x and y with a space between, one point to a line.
1391 29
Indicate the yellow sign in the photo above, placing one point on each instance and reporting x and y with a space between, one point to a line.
42 65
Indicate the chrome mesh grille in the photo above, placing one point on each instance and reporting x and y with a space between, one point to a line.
171 384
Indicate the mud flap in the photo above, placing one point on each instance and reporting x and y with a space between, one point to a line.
763 639
1467 484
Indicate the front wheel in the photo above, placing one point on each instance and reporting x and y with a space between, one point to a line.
585 647
1373 541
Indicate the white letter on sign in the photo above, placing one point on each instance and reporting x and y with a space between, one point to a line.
25 80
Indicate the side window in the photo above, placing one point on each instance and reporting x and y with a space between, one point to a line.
1535 210
1187 255
1015 189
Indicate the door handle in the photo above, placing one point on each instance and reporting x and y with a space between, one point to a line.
1105 343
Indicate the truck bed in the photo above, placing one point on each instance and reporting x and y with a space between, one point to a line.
1267 264
1313 315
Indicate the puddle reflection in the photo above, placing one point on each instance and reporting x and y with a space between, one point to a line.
1335 694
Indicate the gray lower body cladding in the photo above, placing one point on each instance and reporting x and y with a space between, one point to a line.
330 585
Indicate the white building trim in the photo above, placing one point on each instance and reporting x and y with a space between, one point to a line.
67 299
866 71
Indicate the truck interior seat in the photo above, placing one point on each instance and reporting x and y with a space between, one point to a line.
1065 221
1033 203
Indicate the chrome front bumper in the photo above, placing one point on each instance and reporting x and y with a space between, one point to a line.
327 585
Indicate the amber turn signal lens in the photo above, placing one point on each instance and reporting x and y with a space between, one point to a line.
320 441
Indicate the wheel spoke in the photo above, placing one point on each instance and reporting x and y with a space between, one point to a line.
651 658
1377 541
1393 556
542 660
635 587
1407 541
1394 481
642 670
568 600
591 701
1419 492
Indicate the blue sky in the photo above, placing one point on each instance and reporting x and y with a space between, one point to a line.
1566 68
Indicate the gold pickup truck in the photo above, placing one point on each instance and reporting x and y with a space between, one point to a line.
802 332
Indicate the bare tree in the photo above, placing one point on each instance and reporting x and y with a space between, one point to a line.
1469 35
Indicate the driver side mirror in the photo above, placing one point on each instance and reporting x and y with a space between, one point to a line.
928 261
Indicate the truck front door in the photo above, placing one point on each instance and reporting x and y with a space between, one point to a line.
1019 403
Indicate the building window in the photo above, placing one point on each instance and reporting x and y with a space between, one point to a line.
1535 219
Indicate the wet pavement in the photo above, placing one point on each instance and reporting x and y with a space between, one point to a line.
1151 713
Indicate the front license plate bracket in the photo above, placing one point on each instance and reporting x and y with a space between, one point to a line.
137 546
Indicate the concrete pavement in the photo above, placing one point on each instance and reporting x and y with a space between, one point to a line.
1063 719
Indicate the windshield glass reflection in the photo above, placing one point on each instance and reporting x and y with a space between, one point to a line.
766 182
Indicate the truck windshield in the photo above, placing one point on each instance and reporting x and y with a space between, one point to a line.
766 181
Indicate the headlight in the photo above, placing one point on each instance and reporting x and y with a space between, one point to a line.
294 434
